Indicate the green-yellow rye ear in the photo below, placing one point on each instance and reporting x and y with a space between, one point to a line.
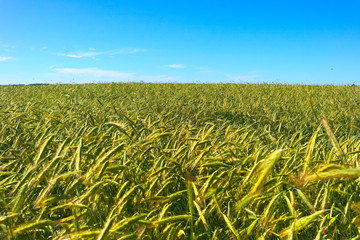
267 165
331 135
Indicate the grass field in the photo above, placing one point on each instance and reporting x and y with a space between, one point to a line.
179 161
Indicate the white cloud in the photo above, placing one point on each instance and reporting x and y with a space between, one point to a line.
4 59
203 70
72 55
128 51
92 53
6 47
54 66
94 72
38 48
176 66
83 75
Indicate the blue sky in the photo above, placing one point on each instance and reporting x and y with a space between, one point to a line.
306 42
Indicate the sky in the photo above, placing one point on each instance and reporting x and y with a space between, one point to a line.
286 42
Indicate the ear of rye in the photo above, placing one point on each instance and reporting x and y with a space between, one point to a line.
267 166
301 223
331 135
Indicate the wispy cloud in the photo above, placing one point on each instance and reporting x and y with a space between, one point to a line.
4 59
75 55
203 70
6 47
94 72
54 66
43 48
176 66
92 53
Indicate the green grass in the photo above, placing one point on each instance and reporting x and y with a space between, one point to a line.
179 161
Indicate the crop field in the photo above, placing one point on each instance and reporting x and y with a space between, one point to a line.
179 161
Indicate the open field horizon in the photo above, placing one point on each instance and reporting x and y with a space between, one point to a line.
182 83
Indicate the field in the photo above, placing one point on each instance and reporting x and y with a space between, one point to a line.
179 161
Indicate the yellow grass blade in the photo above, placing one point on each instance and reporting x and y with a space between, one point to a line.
230 226
267 166
333 172
331 135
301 223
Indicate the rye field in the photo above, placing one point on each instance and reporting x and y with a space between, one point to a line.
179 161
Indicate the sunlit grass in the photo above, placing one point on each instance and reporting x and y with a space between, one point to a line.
173 161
